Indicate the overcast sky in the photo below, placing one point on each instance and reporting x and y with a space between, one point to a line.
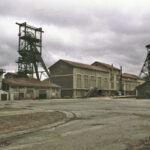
110 31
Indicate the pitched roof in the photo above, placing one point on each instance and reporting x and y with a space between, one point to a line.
29 82
81 65
127 75
106 65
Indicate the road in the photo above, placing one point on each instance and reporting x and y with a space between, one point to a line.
91 124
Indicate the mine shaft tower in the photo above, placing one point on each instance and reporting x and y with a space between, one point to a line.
30 50
145 71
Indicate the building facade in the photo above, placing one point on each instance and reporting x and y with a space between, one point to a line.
114 77
77 79
129 83
29 88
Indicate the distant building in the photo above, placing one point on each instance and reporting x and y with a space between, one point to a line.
114 76
29 88
76 79
129 83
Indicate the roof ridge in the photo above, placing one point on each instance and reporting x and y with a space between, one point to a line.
28 82
83 65
106 65
131 75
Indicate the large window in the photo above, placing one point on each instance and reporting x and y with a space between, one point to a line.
93 82
112 77
112 85
86 81
99 82
78 81
29 91
118 78
118 86
106 82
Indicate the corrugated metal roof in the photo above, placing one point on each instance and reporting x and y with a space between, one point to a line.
106 65
29 82
81 65
127 75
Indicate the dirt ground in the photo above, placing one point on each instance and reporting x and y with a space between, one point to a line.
140 145
81 124
20 122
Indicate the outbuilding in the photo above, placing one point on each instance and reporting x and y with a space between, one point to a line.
29 88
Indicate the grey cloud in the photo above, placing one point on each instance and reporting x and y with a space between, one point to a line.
107 33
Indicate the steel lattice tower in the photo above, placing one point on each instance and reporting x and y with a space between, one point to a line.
30 50
145 71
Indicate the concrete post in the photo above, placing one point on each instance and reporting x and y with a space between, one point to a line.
11 96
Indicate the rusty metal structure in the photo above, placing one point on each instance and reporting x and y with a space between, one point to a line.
145 71
30 51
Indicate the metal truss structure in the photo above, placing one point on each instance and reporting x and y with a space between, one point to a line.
30 50
145 71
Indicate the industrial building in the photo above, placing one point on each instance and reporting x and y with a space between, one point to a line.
114 77
120 83
76 79
27 88
129 83
13 88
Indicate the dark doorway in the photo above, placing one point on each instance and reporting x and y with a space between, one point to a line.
21 95
99 92
42 94
3 97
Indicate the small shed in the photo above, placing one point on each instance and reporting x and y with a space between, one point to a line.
143 90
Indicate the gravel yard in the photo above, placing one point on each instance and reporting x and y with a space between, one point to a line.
82 124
